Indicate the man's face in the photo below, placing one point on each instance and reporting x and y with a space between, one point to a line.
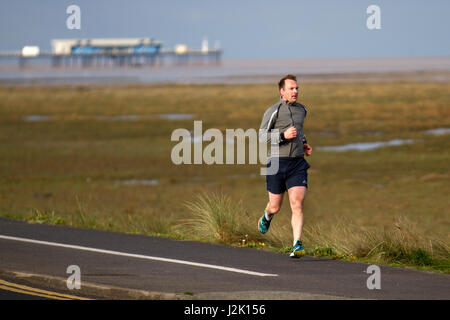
290 90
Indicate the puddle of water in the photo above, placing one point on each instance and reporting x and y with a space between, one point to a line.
36 118
363 146
43 195
136 182
128 117
438 131
327 134
371 133
196 139
240 176
228 140
176 116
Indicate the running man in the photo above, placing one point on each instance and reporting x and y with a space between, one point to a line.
287 115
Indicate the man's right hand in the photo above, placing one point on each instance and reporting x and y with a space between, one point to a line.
290 133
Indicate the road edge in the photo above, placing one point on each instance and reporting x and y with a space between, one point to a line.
87 290
106 292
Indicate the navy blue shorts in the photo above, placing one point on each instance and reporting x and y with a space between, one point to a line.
292 172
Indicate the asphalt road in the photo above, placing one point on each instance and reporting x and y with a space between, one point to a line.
174 269
11 295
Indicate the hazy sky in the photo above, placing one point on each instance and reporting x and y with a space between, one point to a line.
245 29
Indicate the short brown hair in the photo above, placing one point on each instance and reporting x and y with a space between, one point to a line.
288 77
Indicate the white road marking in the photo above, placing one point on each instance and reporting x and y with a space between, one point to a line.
139 256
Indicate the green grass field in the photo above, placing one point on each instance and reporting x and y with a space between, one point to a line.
387 205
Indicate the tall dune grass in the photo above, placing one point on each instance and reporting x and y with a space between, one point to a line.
216 218
400 243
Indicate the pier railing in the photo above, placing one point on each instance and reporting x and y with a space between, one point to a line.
120 59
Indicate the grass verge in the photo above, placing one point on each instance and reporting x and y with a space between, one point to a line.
216 218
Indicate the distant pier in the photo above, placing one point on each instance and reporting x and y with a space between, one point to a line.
99 60
104 53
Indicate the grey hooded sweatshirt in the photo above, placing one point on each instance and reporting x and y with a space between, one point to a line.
282 115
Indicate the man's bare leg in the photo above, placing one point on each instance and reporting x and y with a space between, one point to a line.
274 204
296 197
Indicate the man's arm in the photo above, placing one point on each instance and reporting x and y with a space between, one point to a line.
266 126
306 147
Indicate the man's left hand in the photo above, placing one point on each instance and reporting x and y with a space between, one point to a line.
307 149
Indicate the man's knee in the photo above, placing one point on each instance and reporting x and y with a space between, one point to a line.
273 207
297 206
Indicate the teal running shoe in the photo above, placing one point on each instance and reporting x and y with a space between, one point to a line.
263 224
298 250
